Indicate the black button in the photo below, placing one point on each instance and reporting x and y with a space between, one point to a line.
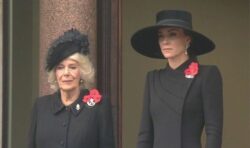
64 124
62 143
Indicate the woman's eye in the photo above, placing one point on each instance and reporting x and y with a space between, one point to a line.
59 67
73 67
160 35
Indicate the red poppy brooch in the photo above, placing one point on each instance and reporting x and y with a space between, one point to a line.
93 98
192 70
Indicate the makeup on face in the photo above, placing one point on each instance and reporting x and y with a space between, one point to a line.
68 74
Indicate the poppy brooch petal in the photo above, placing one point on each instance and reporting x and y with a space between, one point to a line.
92 98
192 70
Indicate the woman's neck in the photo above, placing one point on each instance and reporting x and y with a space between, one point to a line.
176 62
69 97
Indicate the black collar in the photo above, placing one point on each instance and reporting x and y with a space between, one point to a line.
183 66
75 108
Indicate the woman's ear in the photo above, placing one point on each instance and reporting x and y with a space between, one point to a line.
188 39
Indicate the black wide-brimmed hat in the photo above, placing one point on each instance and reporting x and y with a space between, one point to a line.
72 41
145 41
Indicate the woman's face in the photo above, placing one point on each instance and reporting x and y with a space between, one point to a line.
173 42
68 75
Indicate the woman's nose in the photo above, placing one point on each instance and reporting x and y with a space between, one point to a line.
66 71
165 40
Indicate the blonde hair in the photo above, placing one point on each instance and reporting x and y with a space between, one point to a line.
86 68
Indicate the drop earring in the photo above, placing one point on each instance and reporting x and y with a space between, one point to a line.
81 81
186 48
186 53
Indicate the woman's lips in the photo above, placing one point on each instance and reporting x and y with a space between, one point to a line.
167 49
67 81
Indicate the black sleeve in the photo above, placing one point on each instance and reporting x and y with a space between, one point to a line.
32 128
145 136
106 135
212 94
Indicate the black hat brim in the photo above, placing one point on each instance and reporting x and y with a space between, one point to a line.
145 42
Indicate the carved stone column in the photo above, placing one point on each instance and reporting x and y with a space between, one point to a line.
57 16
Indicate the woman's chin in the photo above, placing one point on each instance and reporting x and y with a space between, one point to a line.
67 88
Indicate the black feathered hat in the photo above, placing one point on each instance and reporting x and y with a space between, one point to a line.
145 41
72 41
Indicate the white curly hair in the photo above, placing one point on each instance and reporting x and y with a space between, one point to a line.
86 68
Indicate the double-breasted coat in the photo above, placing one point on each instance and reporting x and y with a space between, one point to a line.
77 126
176 108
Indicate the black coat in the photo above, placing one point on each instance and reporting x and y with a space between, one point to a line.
177 108
77 126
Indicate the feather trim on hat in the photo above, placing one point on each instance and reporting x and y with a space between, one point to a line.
72 41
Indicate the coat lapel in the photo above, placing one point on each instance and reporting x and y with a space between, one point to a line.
171 87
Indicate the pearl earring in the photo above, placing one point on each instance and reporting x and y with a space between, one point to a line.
186 48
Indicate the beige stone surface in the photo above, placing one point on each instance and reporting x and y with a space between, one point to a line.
57 16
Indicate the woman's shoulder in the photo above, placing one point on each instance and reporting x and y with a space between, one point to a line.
206 68
46 99
155 71
105 100
209 70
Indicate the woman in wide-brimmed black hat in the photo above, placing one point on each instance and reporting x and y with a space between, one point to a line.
182 98
76 115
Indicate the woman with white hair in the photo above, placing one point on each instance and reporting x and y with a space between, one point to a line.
76 115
